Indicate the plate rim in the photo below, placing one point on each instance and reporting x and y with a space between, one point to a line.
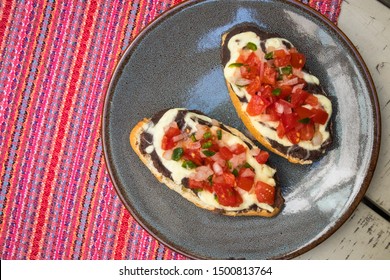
171 11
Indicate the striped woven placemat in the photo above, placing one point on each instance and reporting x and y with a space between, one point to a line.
56 199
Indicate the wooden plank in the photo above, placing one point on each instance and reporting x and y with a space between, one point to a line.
367 24
365 235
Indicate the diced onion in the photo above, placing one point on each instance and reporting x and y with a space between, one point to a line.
242 82
201 173
217 168
179 137
167 154
248 173
317 139
290 82
237 160
296 87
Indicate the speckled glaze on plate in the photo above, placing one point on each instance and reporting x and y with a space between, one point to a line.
175 62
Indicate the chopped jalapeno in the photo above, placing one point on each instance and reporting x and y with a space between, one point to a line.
276 91
269 55
187 164
177 153
235 172
251 46
193 138
207 135
287 70
230 165
207 144
304 120
219 134
236 64
247 165
208 153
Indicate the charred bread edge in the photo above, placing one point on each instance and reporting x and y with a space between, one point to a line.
189 194
237 103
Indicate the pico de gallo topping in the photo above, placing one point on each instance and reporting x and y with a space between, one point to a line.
276 91
219 168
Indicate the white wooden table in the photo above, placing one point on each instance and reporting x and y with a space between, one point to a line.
366 235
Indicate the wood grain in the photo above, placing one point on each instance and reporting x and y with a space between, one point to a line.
365 235
367 24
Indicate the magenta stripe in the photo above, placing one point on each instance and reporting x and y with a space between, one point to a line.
91 117
50 108
51 104
73 193
30 138
16 194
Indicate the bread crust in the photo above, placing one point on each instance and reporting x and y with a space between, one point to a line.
188 193
243 115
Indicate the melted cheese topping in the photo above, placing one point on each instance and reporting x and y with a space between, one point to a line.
267 129
263 172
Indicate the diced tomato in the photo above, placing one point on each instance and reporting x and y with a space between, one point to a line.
242 58
281 58
251 67
307 132
203 185
265 193
245 183
269 75
266 91
193 155
298 60
294 136
272 113
254 86
229 179
285 91
225 153
238 149
257 105
226 179
167 141
298 97
262 157
303 112
320 116
227 196
311 100
290 121
280 130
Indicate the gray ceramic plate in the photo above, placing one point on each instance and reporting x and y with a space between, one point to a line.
175 62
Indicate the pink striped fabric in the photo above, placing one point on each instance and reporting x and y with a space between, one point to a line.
56 198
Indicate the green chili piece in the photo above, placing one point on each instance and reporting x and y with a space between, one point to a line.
269 55
210 179
177 153
193 138
236 64
247 165
251 46
276 91
219 134
207 144
287 70
187 164
207 135
235 172
304 120
208 153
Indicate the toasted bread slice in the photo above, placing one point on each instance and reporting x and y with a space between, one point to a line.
314 138
183 150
